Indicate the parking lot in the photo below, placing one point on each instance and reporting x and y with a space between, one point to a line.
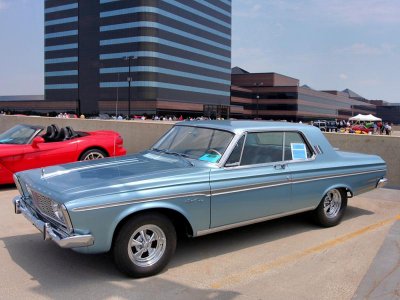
289 258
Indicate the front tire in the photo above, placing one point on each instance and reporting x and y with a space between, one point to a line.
144 245
331 209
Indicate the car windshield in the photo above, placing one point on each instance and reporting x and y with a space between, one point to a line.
204 144
19 135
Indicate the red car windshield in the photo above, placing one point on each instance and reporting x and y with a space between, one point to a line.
19 135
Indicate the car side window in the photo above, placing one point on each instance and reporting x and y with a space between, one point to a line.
262 147
234 158
295 147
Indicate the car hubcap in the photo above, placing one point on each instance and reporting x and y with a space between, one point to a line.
146 245
332 203
93 155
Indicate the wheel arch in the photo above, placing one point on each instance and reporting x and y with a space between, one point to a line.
178 219
82 151
340 186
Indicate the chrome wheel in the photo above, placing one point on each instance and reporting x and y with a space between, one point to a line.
146 245
332 203
93 154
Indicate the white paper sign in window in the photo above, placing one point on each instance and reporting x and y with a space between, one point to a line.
298 151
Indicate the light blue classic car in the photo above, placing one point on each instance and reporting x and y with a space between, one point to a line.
199 178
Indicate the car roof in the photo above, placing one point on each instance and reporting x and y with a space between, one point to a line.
244 125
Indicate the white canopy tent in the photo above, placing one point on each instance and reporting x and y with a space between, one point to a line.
373 118
365 118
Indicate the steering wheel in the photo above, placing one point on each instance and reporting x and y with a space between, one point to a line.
214 151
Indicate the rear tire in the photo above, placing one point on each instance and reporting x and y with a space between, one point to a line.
331 209
144 245
93 154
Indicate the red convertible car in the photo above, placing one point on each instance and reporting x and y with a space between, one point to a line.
24 147
362 129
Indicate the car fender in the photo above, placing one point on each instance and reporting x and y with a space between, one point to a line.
338 186
142 208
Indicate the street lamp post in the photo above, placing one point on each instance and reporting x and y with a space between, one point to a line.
258 84
129 59
116 103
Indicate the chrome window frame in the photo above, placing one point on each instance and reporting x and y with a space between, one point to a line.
227 150
283 162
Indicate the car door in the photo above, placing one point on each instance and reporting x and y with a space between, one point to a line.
255 182
300 159
11 157
49 153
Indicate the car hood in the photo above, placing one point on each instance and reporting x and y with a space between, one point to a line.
126 174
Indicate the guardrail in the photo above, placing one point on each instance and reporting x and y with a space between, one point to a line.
138 135
385 146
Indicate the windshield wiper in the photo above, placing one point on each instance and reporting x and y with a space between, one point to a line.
182 155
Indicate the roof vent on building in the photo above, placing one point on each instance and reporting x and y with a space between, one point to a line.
352 94
237 70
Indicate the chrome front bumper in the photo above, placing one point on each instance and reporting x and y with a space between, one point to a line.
50 233
381 182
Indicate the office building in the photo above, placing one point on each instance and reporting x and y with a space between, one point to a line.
279 97
165 56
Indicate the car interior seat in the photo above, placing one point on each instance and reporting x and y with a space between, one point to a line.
50 134
62 135
71 133
56 131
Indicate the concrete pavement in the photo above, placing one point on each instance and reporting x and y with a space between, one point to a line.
289 258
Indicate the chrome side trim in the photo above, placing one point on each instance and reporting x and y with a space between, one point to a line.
245 188
381 183
50 233
249 222
141 200
230 190
237 189
336 176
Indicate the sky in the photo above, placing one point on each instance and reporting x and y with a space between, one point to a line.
328 45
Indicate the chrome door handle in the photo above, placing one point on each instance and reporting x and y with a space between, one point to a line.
280 167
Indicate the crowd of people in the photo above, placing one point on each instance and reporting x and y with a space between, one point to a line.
343 126
360 127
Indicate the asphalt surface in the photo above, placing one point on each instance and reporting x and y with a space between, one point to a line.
289 258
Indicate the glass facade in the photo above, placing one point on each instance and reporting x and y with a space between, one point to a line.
289 101
61 50
389 112
181 53
167 51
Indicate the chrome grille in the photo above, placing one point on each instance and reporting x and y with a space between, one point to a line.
43 203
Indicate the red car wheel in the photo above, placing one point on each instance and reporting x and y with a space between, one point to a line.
93 154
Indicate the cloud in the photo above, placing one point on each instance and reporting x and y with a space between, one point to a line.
247 52
364 49
247 8
340 11
3 5
252 59
343 76
370 82
360 11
